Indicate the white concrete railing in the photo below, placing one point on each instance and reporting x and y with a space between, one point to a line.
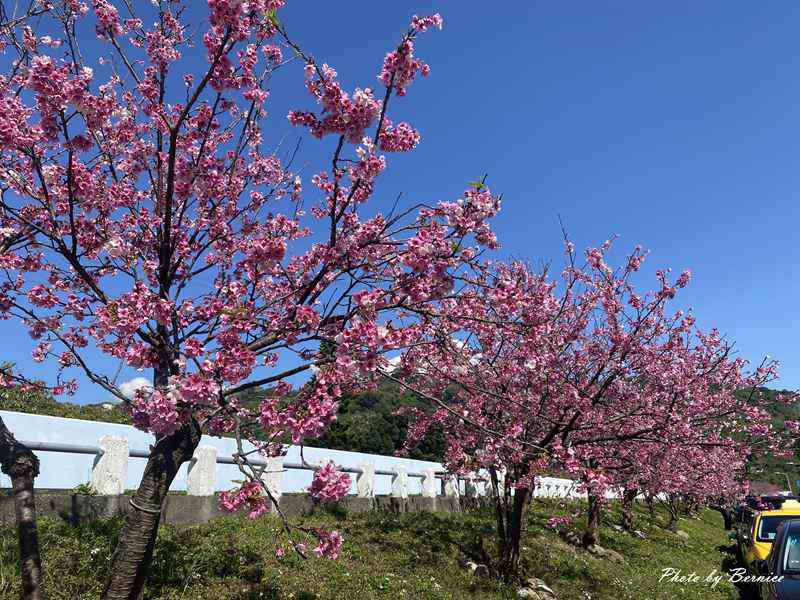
111 458
112 454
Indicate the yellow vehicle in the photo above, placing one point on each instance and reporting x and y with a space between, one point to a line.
758 529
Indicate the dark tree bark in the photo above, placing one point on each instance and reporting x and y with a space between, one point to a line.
673 507
499 500
689 506
592 521
134 551
511 516
727 515
21 465
515 525
628 498
651 505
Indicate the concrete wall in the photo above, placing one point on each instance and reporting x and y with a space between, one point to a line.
183 510
66 471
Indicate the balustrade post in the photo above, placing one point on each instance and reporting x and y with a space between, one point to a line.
110 469
429 484
272 476
400 482
201 475
365 481
451 487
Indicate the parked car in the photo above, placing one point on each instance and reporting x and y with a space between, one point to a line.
780 572
758 526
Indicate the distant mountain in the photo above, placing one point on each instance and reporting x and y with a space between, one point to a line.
768 467
366 423
45 404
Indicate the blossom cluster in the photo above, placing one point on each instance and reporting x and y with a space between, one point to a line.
250 495
157 411
343 114
556 522
329 485
400 67
399 138
329 544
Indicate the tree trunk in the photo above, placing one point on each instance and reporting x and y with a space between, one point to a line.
500 508
592 521
651 506
516 514
134 551
672 524
628 498
21 465
673 508
688 507
727 515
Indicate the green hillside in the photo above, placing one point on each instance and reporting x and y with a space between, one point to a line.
44 404
767 467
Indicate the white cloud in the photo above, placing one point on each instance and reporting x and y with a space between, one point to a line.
129 388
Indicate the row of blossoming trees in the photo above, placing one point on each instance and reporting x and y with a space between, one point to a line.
145 215
582 374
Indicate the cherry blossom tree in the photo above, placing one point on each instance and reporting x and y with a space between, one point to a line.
695 475
710 466
698 470
692 465
145 214
532 374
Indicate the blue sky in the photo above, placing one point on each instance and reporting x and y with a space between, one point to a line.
674 125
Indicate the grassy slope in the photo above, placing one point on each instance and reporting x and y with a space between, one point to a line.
385 556
580 575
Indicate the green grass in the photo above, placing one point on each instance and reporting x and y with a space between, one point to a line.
580 575
411 556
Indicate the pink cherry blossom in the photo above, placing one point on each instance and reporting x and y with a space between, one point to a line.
329 544
250 496
329 485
